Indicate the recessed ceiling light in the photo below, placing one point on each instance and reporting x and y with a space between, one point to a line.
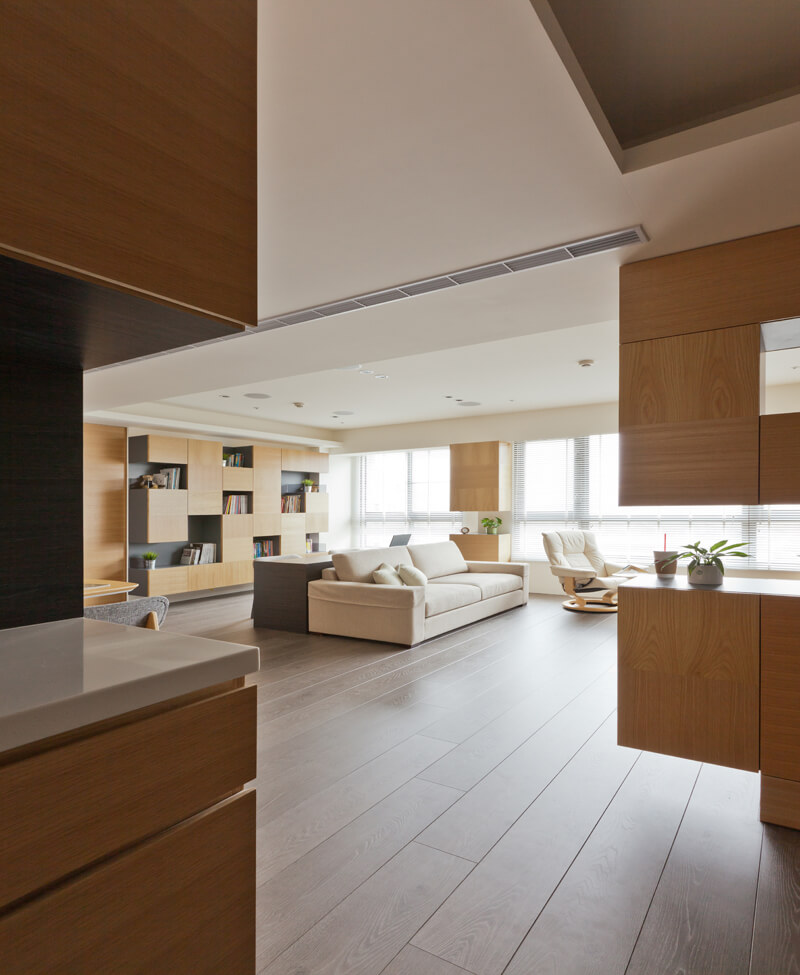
258 396
224 396
342 412
366 372
448 397
585 363
468 402
381 375
354 368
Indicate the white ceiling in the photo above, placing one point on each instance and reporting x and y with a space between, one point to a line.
398 142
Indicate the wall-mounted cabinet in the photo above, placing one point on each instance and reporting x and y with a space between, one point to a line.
293 534
480 476
237 478
158 516
316 505
305 461
266 481
153 449
237 537
204 477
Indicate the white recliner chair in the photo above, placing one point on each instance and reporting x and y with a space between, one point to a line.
589 581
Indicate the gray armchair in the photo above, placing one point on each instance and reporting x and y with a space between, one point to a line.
149 612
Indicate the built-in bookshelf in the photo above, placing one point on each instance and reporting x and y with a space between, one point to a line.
241 502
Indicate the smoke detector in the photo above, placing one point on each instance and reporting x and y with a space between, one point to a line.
585 363
299 405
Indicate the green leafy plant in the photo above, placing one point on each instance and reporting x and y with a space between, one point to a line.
308 482
150 556
490 523
710 556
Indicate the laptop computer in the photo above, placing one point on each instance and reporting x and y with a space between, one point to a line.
400 540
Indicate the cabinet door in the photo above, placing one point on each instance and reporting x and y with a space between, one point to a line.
266 480
157 516
204 476
305 461
480 476
237 538
780 687
293 534
316 511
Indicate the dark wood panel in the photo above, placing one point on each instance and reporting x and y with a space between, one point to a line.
74 804
704 462
689 674
41 496
780 687
700 920
182 903
780 801
779 476
129 146
706 376
776 930
738 282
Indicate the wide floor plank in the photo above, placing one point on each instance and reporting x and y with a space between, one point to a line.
414 961
776 934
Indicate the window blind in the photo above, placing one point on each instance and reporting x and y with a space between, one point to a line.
573 483
405 492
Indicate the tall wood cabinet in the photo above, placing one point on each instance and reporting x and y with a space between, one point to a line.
480 476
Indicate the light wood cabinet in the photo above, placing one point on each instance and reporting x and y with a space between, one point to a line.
237 537
161 582
266 524
105 507
158 516
316 504
204 477
153 449
238 479
480 476
136 166
293 534
304 461
266 481
484 548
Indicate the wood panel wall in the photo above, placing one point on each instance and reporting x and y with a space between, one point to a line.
105 505
779 465
129 147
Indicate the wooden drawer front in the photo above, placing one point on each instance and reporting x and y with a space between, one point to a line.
182 903
236 573
305 461
780 687
237 478
689 674
67 807
163 582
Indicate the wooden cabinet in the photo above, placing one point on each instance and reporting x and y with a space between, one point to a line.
267 524
105 508
305 461
161 582
779 469
689 673
266 482
130 156
780 687
316 504
125 844
237 537
484 548
293 534
480 476
204 477
238 479
153 449
158 516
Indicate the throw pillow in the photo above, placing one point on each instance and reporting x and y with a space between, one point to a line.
386 575
412 576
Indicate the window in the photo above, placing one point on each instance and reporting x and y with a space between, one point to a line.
406 492
573 483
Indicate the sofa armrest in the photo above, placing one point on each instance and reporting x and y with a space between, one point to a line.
367 594
567 572
510 568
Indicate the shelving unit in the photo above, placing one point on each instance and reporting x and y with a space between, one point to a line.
167 520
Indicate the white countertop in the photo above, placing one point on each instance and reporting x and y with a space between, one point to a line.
748 585
55 677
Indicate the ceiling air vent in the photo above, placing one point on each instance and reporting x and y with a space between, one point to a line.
380 297
539 259
423 287
608 242
480 273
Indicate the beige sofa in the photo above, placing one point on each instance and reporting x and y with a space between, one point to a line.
346 602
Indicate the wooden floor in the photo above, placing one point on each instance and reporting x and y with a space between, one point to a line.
463 807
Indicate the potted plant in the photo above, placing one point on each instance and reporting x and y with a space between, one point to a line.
150 559
705 564
225 458
308 485
491 524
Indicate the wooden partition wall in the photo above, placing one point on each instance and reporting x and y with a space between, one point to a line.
105 509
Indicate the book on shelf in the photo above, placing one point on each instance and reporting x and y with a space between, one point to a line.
199 553
236 504
291 504
264 548
235 460
173 477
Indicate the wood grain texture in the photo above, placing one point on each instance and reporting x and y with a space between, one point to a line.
165 203
182 903
237 538
483 923
385 911
752 279
161 582
779 474
267 524
590 925
237 478
780 801
780 687
204 477
776 929
75 804
480 476
689 674
304 461
157 449
483 548
702 462
157 516
266 481
700 919
293 534
414 961
105 503
316 505
704 376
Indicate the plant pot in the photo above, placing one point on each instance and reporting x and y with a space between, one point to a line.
149 563
706 575
491 531
308 488
659 558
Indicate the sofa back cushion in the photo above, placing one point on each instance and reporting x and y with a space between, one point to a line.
438 559
359 565
411 575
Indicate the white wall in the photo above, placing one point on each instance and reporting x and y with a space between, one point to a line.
342 481
782 399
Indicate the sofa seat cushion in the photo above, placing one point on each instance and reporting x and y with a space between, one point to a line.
358 565
489 583
442 598
438 559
